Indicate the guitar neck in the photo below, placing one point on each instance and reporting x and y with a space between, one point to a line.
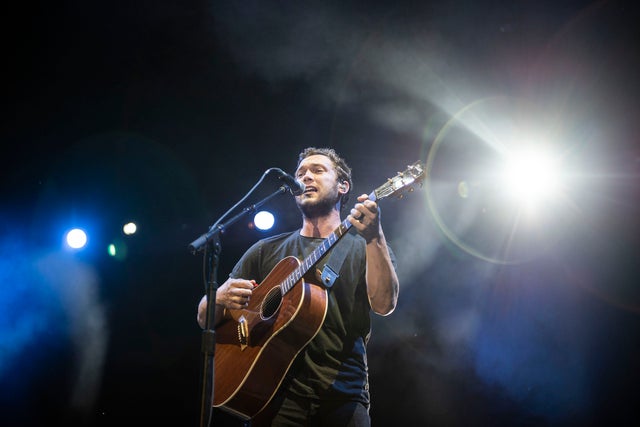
315 256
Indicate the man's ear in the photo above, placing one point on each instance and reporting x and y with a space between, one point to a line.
343 187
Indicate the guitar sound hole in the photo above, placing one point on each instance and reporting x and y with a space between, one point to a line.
271 303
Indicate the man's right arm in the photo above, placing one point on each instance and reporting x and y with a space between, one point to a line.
234 294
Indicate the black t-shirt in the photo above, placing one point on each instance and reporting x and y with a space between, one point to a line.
333 366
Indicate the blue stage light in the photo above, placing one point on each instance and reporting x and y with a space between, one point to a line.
76 238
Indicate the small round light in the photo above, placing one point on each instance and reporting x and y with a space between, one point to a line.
76 238
129 228
263 220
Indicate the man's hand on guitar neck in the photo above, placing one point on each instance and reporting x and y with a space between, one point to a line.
365 217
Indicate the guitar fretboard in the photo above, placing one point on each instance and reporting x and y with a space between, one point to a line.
315 256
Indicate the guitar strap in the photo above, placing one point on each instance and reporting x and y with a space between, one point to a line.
330 271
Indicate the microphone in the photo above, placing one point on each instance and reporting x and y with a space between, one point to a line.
295 187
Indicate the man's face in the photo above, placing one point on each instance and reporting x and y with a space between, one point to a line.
320 179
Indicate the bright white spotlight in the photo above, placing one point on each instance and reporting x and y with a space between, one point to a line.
129 228
532 175
76 238
263 220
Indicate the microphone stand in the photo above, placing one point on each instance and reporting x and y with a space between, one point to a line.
210 244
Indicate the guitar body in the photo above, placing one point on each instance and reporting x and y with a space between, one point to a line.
255 349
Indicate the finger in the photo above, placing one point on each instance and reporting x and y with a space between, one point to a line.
370 205
356 214
243 293
354 222
366 213
238 302
246 284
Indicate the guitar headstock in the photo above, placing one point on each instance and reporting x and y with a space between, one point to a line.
403 181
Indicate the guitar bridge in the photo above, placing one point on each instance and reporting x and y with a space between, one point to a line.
243 332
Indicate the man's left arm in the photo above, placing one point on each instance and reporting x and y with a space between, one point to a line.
382 280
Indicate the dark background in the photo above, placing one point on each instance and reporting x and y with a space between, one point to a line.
167 113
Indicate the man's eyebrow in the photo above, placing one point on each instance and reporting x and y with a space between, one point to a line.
312 165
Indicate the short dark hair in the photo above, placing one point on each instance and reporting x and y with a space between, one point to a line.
343 170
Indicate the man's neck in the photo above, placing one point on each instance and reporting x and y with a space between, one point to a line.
321 226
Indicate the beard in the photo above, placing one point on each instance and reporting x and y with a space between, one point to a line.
319 208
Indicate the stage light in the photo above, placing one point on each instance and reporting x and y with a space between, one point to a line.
502 180
76 238
117 249
263 220
129 228
532 176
